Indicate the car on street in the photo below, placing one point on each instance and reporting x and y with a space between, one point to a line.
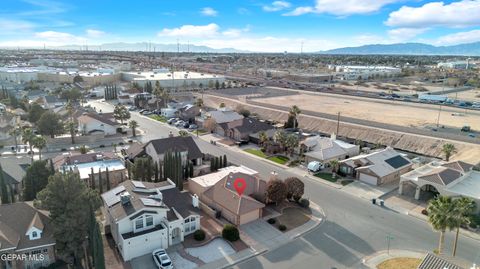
171 121
162 260
179 123
193 127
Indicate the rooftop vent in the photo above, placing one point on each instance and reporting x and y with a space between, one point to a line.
125 198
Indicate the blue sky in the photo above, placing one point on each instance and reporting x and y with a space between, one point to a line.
242 24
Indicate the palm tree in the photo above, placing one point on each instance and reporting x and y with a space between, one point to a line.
183 133
27 138
39 142
280 137
464 208
133 124
158 92
441 217
263 138
70 126
199 102
448 150
15 132
294 112
334 164
291 142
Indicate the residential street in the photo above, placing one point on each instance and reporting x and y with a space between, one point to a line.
354 228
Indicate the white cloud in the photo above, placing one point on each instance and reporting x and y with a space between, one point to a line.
208 11
405 34
15 25
277 6
59 37
459 38
195 31
456 14
94 33
342 8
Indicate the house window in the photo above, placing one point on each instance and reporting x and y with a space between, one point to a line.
189 225
139 223
34 234
149 220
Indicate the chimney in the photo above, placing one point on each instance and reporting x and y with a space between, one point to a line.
195 201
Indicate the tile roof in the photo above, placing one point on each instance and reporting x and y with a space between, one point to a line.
442 176
106 118
15 221
224 116
460 166
224 194
376 162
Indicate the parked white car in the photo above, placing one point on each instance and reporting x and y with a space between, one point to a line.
315 166
162 260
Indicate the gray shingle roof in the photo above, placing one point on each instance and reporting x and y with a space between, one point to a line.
177 143
16 219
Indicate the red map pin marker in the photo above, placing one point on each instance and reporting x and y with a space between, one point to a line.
240 185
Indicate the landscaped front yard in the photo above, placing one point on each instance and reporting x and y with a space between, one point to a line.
327 176
256 152
400 263
158 118
277 158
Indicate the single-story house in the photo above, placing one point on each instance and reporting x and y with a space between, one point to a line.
445 178
92 122
84 164
376 168
241 129
221 115
144 216
52 101
25 230
325 149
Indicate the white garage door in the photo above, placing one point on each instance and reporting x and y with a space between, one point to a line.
368 179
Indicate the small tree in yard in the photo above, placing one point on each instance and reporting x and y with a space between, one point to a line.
230 233
210 125
133 125
295 188
448 150
334 165
121 113
276 191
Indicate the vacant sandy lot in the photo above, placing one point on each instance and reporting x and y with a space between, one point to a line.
471 95
384 111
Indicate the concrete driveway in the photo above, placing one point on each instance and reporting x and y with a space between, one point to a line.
260 235
146 261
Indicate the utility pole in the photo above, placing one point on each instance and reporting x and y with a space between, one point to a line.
338 123
438 117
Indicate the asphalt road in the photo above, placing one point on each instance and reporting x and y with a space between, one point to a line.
353 229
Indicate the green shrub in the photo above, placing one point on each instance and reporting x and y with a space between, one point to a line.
282 227
305 203
230 233
271 221
199 235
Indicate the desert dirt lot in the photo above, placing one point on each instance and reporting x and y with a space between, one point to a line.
471 95
383 111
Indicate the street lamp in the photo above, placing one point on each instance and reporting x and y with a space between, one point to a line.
389 237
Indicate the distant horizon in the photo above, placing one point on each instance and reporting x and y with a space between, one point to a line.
152 47
260 26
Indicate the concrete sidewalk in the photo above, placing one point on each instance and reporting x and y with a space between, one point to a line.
375 259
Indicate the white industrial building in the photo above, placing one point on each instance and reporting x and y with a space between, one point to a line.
178 79
355 72
456 65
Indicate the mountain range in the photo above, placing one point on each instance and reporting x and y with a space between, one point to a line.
146 46
470 49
